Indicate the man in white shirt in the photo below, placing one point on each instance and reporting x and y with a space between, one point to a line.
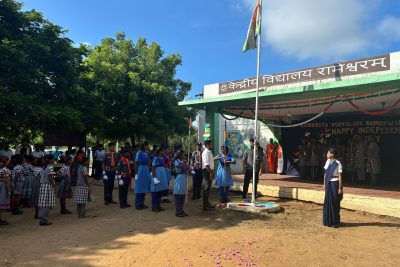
99 156
207 159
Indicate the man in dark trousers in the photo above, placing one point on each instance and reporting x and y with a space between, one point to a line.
109 169
248 167
207 159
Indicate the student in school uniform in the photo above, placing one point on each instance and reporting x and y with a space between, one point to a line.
197 171
17 180
167 166
47 197
82 188
5 190
65 187
27 185
333 190
37 175
75 165
142 177
224 175
159 182
109 170
207 161
124 176
180 185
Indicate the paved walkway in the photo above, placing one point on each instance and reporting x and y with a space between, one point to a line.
293 181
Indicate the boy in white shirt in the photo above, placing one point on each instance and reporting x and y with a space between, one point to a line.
207 159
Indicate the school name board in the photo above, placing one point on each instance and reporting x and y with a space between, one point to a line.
368 127
337 70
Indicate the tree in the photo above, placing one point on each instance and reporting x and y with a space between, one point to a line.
137 88
39 76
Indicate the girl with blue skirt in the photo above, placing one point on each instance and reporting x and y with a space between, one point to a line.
224 175
333 190
180 185
167 165
159 182
142 177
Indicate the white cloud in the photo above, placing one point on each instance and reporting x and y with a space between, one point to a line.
325 29
390 28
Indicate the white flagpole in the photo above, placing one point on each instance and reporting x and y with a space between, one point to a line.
188 162
253 196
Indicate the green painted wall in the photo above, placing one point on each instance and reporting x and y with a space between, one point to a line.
212 117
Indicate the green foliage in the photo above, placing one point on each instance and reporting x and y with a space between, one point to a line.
38 75
137 87
115 91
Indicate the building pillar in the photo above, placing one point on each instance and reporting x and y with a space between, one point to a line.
212 117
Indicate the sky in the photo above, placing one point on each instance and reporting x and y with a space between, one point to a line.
209 34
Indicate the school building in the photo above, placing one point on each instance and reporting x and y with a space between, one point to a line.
338 101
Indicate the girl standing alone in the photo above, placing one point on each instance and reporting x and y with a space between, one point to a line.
333 190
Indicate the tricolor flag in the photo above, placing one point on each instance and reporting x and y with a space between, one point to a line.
254 29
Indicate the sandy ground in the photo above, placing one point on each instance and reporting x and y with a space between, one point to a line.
115 237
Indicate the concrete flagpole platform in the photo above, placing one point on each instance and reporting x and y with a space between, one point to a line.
258 207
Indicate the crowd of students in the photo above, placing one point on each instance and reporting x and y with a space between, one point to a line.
28 181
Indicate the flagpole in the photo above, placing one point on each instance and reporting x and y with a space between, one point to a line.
253 196
188 161
225 133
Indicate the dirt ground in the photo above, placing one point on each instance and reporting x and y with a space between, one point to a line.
115 237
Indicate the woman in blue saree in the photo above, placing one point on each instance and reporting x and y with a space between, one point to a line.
333 190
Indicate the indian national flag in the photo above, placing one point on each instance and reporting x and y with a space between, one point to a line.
254 29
